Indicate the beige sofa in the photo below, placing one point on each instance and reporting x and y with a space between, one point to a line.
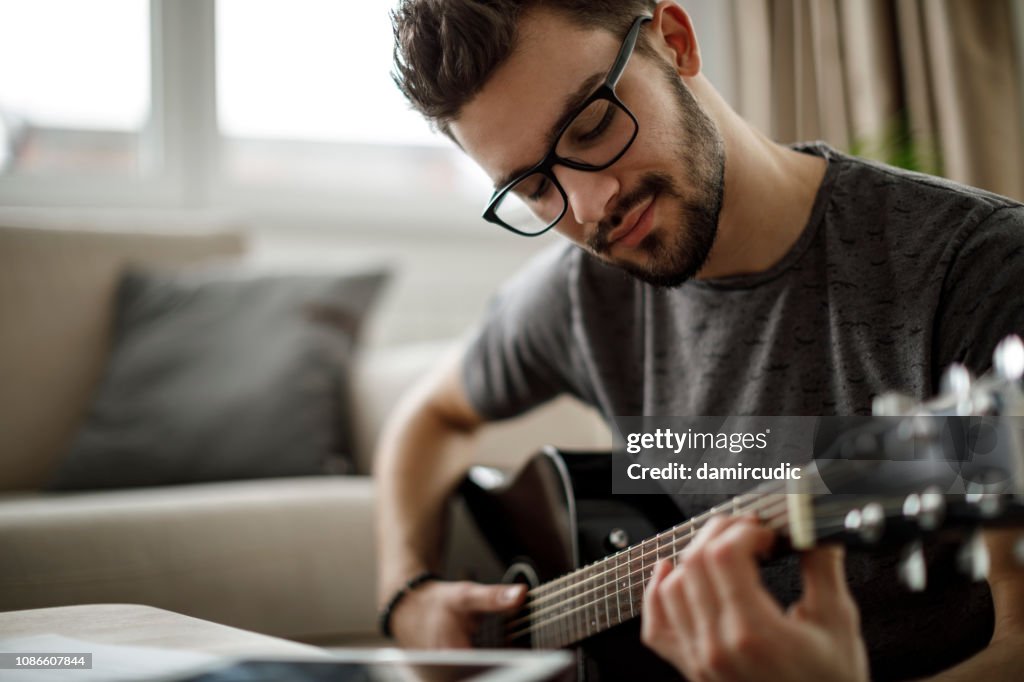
288 557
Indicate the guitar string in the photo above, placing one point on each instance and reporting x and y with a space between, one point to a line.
761 499
733 506
636 607
767 507
759 503
824 522
649 549
677 544
766 491
578 634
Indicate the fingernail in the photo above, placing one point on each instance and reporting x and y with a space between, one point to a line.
510 594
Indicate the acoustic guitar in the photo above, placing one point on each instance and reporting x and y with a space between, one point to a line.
586 555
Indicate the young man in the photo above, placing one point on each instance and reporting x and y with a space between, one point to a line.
765 280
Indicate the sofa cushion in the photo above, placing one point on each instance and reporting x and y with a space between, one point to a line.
56 306
222 374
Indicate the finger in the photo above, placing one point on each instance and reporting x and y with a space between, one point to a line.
701 595
473 597
732 563
712 529
654 620
823 572
676 606
659 631
824 578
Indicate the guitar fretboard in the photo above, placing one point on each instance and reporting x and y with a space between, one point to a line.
611 591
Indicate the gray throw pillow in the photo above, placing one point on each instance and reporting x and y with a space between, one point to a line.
222 374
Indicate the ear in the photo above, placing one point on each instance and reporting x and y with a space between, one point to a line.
674 38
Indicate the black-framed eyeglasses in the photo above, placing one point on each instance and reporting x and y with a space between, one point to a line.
595 137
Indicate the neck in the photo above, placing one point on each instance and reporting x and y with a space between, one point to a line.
769 194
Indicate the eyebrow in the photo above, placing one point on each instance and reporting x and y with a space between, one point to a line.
572 103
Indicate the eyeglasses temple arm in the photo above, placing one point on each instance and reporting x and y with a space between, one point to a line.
627 49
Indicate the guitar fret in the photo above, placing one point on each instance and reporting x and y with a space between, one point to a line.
629 572
643 572
606 580
665 550
620 584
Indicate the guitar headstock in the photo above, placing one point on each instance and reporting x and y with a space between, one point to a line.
946 487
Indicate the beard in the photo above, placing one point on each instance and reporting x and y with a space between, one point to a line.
678 252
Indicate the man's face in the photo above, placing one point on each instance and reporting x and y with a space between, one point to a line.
654 213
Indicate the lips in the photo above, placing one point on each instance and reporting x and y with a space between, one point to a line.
637 218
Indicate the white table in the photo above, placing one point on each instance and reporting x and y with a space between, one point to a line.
176 635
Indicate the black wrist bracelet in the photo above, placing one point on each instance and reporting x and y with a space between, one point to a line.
410 585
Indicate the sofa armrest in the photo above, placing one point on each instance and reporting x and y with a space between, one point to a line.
287 557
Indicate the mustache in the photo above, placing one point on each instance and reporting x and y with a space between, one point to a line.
649 185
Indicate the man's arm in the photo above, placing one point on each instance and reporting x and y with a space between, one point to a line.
425 449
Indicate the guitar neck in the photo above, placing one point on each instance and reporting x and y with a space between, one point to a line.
611 591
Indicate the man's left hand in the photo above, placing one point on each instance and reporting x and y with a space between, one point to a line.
712 618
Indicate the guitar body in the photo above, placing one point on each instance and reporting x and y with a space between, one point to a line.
556 515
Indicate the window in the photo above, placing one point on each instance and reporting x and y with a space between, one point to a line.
74 86
256 106
305 99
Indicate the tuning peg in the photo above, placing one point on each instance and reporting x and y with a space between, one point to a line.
927 508
892 405
956 380
988 504
973 557
982 402
913 570
1008 358
868 523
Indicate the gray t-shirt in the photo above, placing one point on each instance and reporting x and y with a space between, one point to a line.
895 276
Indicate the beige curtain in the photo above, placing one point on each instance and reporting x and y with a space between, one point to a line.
934 85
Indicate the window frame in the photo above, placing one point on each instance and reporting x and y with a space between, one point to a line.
183 166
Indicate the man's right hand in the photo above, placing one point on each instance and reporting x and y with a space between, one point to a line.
446 615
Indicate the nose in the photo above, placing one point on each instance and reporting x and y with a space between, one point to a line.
589 194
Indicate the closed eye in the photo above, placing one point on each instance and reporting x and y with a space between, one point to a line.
602 125
541 190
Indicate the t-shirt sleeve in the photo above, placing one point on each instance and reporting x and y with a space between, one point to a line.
523 353
983 293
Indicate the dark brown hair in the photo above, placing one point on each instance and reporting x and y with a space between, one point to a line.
446 50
